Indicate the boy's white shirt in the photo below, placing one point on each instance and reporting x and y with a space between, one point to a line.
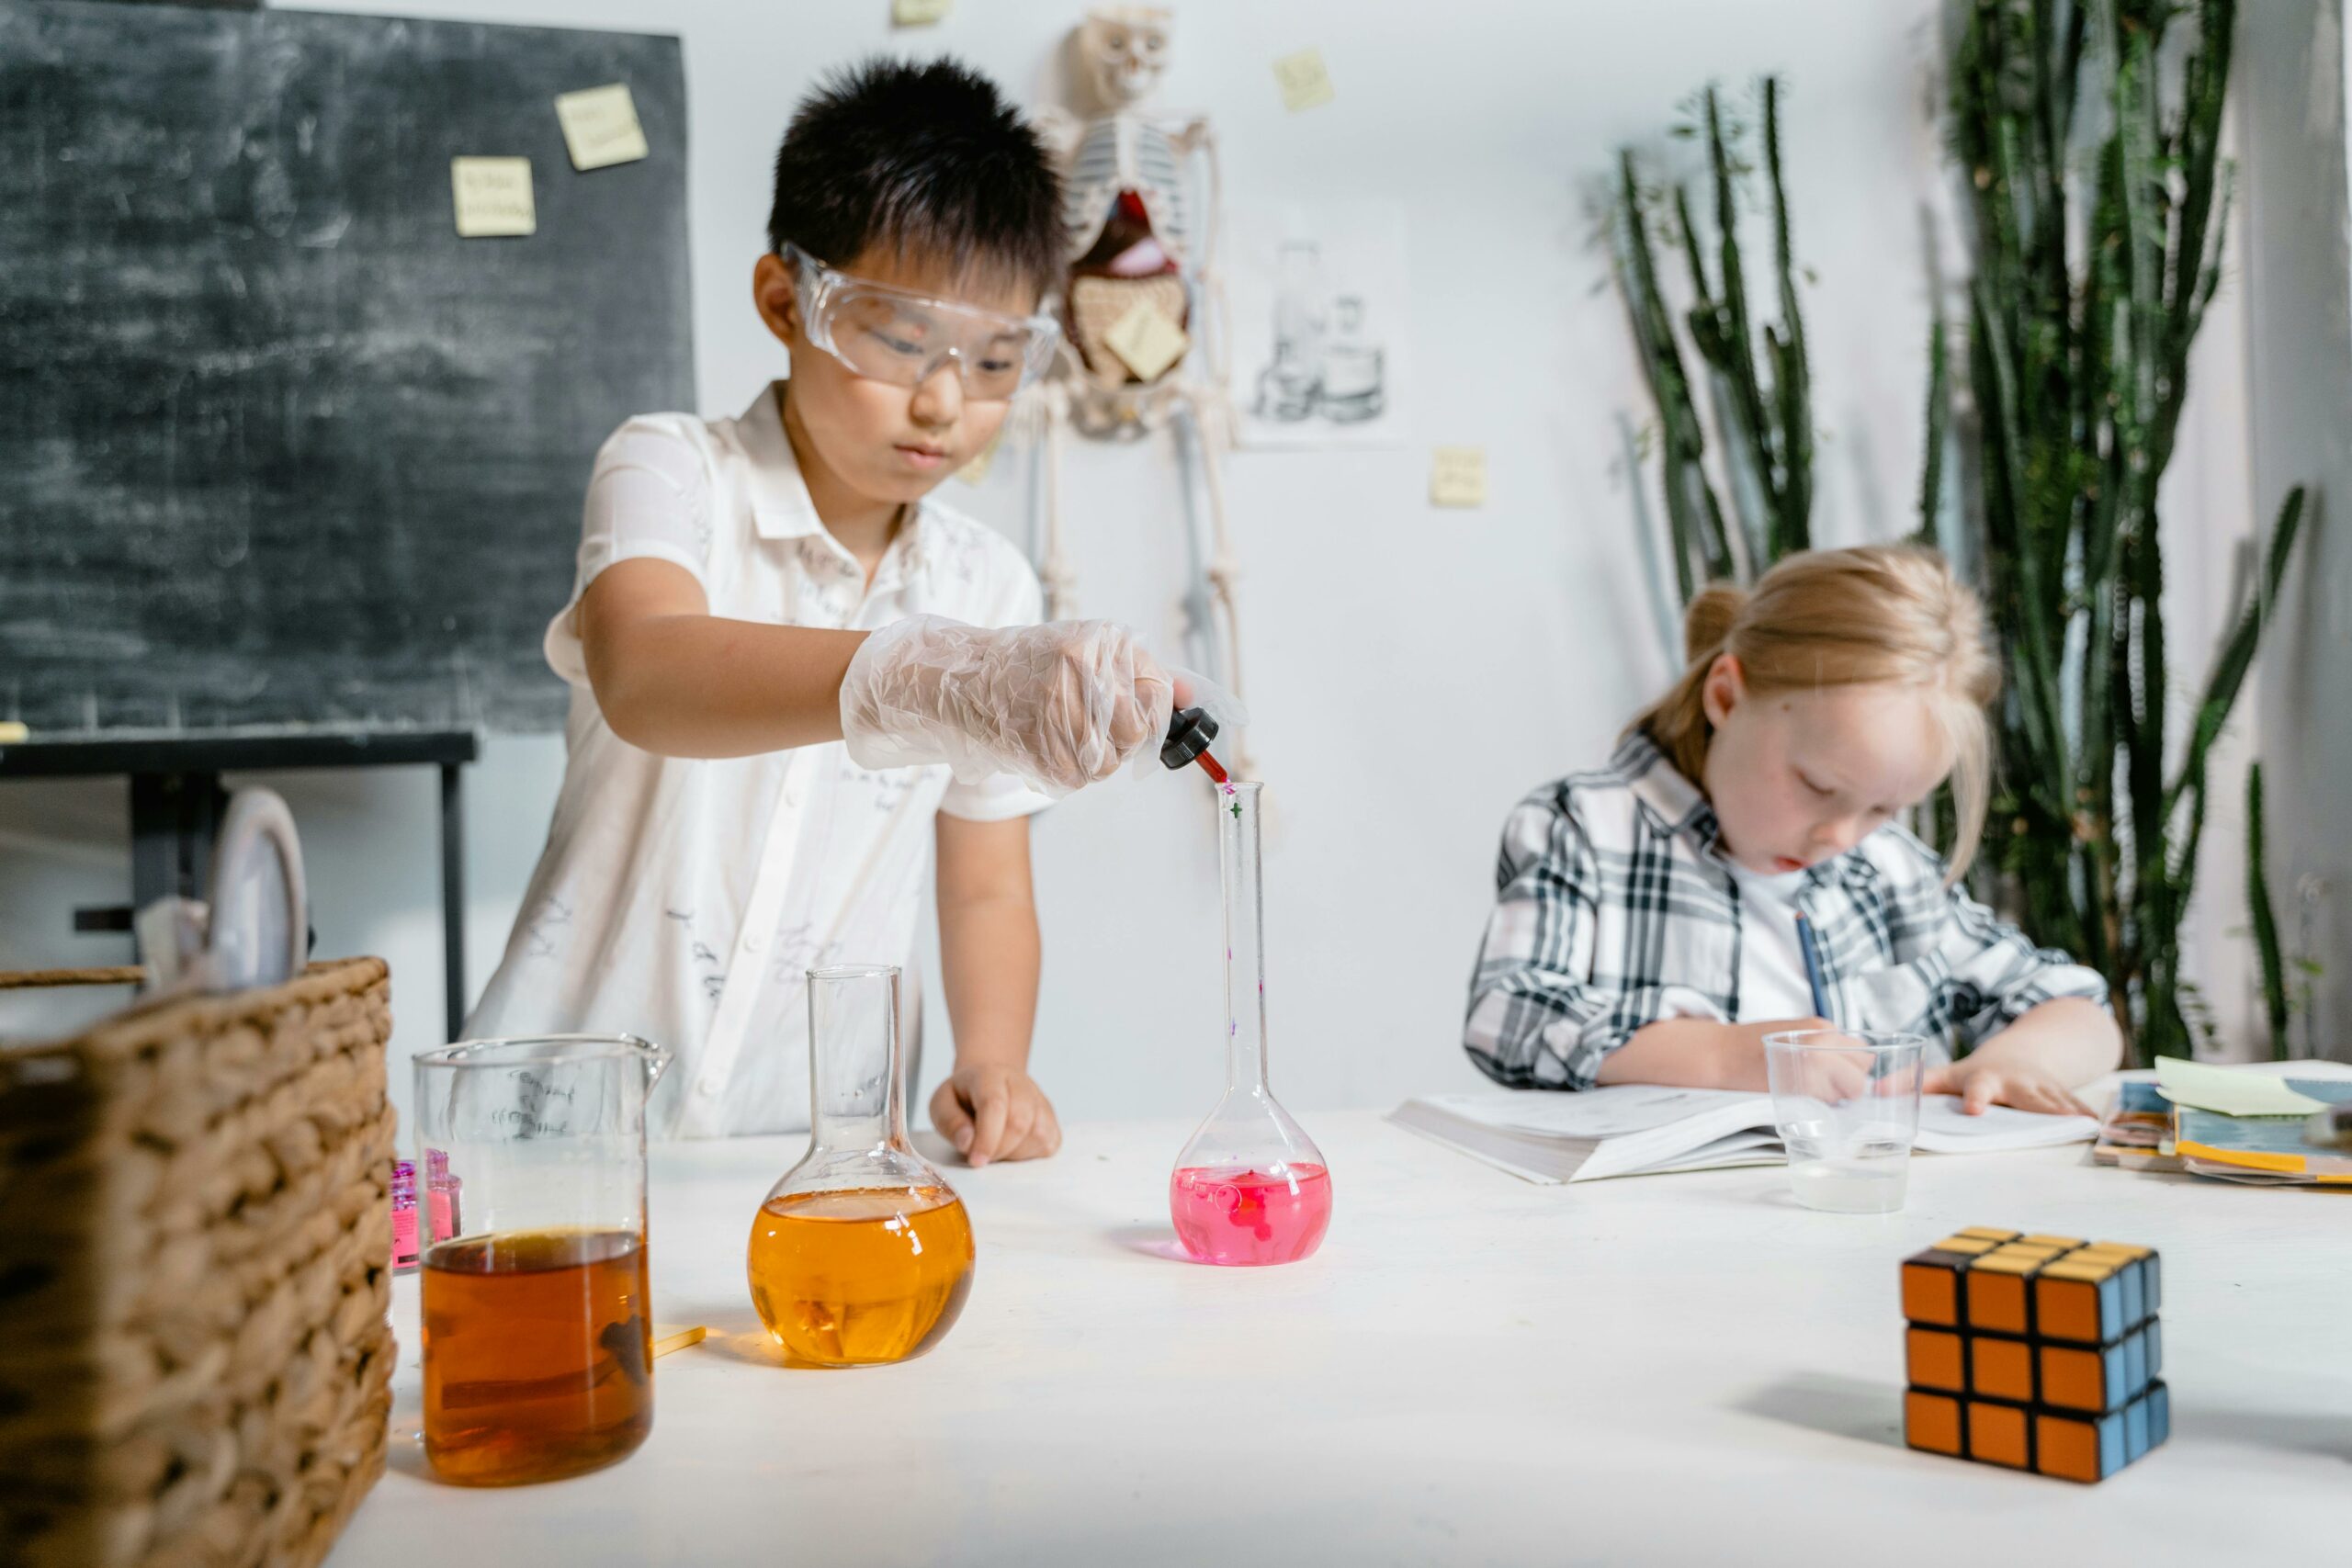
681 899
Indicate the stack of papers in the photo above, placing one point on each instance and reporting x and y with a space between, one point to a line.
1646 1129
2243 1126
2136 1133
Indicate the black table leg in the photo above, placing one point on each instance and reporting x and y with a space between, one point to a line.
173 819
453 894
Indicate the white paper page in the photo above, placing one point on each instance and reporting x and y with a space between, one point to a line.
1750 1147
1597 1112
1945 1129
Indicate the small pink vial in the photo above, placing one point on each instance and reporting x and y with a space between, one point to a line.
405 1227
1235 1215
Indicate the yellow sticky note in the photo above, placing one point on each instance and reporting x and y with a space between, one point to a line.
600 126
1458 476
1147 340
2233 1091
918 13
13 734
494 197
1305 84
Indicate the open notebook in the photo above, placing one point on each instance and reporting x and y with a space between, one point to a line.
1643 1129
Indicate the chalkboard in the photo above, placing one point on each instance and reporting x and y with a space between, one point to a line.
276 446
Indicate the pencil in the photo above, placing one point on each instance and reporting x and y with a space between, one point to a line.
1813 968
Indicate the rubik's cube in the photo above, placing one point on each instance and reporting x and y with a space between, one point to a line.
2037 1353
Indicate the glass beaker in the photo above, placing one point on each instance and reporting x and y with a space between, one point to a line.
537 1327
1847 1104
861 1254
1251 1187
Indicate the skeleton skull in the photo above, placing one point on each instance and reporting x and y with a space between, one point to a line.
1124 49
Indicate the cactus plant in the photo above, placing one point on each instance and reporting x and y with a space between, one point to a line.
1756 379
2095 258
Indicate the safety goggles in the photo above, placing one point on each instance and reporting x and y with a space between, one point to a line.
897 335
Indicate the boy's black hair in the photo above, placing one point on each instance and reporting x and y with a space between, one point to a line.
927 159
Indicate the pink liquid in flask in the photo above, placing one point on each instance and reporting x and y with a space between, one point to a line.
1234 1215
1251 1187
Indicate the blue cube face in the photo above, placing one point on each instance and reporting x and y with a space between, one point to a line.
2130 1285
2152 1284
2158 1405
2154 1335
2135 1365
2135 1430
2112 1448
2120 1388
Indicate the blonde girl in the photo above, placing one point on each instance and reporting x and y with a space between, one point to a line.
1645 924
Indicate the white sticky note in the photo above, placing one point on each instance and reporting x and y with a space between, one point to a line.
1457 476
600 126
1147 340
1305 84
918 13
2233 1091
494 197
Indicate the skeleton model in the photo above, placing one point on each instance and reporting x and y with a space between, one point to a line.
1145 308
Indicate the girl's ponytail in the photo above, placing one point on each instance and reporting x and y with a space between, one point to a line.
1677 721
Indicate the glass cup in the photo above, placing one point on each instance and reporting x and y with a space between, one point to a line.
538 1330
1847 1103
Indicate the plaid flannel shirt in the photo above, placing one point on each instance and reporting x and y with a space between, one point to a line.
1615 907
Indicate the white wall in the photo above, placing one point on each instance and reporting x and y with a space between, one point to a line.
1412 672
2300 283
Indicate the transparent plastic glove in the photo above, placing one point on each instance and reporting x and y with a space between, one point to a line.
1062 705
1198 692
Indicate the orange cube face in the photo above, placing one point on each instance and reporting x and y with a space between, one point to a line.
2068 1450
1997 1435
1931 1421
1932 1291
2074 1380
1933 1360
1996 1302
2068 1309
2002 1368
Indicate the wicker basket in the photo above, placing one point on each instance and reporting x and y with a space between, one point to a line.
194 1229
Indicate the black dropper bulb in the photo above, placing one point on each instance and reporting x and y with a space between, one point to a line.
1189 734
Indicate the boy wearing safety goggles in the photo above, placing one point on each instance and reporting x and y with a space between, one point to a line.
794 674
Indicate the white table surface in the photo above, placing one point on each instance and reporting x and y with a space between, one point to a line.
1473 1368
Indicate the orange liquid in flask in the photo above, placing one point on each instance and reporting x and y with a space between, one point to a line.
538 1355
861 1275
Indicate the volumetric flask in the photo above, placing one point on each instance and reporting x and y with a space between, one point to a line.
861 1253
1251 1187
537 1331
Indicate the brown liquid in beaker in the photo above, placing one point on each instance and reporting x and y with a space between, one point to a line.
861 1275
537 1355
